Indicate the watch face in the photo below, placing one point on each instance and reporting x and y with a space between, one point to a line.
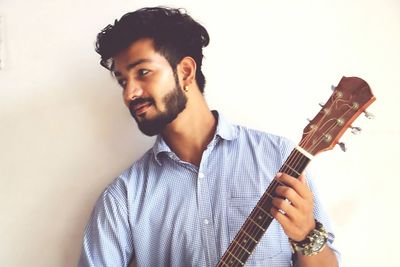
314 242
318 241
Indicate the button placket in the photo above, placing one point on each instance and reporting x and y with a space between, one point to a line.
205 213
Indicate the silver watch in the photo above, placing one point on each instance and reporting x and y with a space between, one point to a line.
314 242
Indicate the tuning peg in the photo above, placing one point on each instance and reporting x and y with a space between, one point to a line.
321 104
333 87
369 115
355 130
309 120
342 146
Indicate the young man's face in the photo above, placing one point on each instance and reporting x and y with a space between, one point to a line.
151 89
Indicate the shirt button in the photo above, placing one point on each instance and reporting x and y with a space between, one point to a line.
206 221
201 175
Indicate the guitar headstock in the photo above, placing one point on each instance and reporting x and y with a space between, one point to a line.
350 98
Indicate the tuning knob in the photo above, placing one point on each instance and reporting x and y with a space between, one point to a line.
355 130
342 146
369 115
321 104
333 87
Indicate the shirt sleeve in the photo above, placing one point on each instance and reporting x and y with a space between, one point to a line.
107 239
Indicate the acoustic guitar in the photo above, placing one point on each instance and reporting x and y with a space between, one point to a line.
349 99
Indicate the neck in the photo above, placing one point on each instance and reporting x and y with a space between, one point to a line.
190 133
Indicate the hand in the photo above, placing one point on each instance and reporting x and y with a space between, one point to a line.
293 206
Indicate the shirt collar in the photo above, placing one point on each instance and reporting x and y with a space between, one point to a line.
225 130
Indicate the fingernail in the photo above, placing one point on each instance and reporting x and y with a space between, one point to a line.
279 174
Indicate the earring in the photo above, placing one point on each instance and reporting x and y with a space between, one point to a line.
186 88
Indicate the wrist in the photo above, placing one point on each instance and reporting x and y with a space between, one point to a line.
313 243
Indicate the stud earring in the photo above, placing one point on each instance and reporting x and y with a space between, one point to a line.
186 88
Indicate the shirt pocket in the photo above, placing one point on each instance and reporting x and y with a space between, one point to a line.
270 245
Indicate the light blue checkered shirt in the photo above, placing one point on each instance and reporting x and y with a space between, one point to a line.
166 212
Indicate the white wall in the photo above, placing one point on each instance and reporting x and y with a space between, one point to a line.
65 134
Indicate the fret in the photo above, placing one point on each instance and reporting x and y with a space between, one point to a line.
255 241
279 182
245 242
295 163
268 194
240 251
255 223
248 252
230 264
262 219
290 172
235 258
287 165
264 211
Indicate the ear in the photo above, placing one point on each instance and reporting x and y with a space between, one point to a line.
186 71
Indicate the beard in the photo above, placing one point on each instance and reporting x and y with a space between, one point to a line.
174 102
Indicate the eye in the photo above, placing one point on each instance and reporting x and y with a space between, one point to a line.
122 83
143 72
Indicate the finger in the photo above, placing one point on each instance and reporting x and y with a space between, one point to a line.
284 207
298 186
288 193
283 220
302 178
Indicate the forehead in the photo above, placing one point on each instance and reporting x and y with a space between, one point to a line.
138 52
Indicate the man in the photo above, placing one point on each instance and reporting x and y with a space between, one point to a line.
183 202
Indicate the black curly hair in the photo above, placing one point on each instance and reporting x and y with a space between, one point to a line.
174 33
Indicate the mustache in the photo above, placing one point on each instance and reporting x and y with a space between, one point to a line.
138 101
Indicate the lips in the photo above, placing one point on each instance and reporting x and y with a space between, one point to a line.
140 109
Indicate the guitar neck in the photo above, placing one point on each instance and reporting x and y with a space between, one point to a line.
259 219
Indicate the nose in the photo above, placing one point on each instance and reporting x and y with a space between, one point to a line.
132 91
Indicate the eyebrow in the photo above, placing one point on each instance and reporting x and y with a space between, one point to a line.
132 65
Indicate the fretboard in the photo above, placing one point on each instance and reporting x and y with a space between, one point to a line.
259 219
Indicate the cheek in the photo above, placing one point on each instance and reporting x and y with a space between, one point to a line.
125 99
159 103
160 90
126 103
